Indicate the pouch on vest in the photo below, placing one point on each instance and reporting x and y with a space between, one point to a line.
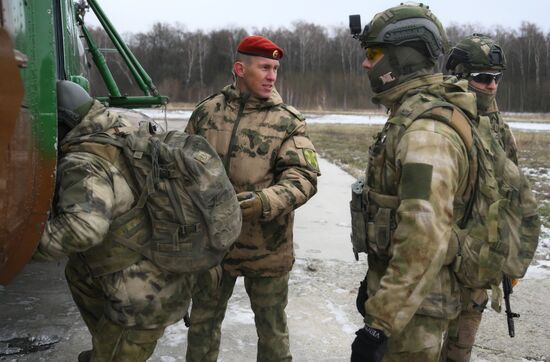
359 219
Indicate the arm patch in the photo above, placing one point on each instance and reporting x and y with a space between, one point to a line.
416 181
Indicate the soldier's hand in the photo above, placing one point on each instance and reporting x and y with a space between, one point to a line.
514 282
369 345
251 205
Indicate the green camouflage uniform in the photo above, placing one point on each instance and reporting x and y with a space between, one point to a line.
264 146
463 329
125 300
476 53
412 290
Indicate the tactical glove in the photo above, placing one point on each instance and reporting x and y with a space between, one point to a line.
369 345
362 297
251 205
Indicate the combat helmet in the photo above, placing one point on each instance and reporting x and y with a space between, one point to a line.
475 53
412 40
73 103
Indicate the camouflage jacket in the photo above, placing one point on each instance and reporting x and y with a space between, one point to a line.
91 192
503 131
426 166
265 147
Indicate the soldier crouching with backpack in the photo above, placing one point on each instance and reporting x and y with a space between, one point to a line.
481 61
103 220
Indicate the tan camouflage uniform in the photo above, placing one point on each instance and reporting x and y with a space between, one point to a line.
412 290
127 301
462 330
264 146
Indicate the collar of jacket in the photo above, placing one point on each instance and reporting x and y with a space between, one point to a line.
234 97
98 119
449 89
392 97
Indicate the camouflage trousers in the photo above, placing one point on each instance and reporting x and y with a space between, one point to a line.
268 298
462 330
126 312
421 340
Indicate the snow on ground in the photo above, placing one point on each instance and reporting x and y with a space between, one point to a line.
159 114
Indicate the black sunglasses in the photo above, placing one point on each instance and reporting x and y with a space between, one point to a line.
486 78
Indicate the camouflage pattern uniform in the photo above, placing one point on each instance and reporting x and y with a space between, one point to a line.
264 146
462 330
411 286
125 300
417 185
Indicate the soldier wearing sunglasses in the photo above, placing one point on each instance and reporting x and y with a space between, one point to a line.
481 61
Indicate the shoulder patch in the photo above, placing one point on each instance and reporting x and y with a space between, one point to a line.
296 113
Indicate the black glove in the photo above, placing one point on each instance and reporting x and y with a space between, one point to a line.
369 345
362 297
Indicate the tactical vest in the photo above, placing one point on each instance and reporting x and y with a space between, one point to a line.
186 215
498 233
374 213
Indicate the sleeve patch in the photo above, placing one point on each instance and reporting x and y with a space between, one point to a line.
311 159
416 180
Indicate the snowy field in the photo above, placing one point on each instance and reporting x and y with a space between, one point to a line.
368 118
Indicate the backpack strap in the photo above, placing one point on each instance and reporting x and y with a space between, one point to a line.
422 106
127 229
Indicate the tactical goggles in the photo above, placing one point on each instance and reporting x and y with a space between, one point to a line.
373 54
485 78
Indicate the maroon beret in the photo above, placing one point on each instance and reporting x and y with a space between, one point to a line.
259 46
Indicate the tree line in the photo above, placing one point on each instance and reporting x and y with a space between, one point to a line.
321 68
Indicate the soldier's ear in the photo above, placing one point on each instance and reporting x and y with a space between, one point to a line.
239 69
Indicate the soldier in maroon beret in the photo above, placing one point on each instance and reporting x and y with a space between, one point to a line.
256 65
273 166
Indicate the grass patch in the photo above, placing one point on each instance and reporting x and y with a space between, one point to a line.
346 145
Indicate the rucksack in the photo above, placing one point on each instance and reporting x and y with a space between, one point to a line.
500 228
499 235
181 188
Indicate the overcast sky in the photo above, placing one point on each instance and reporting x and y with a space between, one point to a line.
140 15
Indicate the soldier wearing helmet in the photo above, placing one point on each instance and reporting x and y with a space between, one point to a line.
124 298
416 187
479 60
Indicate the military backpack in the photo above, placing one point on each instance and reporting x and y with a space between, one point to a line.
499 231
186 214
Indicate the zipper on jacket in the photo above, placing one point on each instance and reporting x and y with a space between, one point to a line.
233 140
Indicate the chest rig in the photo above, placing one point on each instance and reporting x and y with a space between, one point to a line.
374 199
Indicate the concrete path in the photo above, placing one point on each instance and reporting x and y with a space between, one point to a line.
322 226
